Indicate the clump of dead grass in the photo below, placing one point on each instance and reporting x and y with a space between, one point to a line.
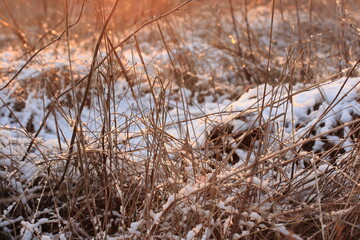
129 177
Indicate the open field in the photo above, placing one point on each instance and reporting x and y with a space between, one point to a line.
179 119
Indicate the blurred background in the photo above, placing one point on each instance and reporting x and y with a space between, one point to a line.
321 36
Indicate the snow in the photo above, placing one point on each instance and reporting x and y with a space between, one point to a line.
47 237
170 200
29 171
221 205
134 227
156 216
281 228
29 229
191 234
318 107
187 190
255 216
62 236
5 162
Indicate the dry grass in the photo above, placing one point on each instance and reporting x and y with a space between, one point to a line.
144 172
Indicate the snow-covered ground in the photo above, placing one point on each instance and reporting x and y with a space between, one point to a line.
291 114
216 159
